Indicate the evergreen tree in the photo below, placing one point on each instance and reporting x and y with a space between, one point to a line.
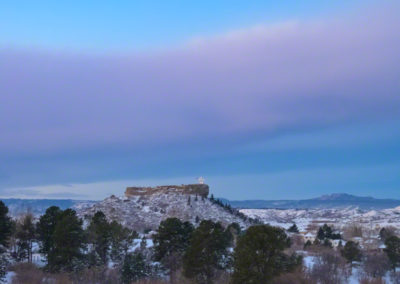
327 231
99 236
170 241
68 243
5 225
5 234
259 255
393 250
293 229
351 252
307 244
134 268
206 252
320 234
121 240
45 229
233 231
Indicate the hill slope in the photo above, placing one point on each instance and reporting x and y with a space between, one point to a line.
146 212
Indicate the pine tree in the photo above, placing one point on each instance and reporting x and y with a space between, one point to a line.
259 255
121 240
171 241
99 235
45 229
351 251
68 243
5 225
206 252
393 250
320 234
293 229
134 268
327 231
5 234
307 244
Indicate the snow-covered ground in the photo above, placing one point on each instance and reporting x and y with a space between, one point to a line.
146 212
339 217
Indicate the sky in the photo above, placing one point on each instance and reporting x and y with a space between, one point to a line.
264 99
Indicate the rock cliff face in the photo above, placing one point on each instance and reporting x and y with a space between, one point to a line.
191 189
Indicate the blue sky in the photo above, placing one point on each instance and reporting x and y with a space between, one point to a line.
265 99
137 25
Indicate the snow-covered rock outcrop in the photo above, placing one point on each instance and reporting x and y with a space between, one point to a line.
147 211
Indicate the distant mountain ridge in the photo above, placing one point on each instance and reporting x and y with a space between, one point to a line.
335 200
17 206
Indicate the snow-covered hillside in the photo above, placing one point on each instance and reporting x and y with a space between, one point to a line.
146 212
340 217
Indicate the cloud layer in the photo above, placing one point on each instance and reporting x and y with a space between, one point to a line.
266 79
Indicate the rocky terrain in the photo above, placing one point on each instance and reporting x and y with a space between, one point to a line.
147 211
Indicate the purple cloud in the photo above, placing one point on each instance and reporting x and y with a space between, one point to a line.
265 79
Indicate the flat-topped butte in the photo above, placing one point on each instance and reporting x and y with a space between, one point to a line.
193 189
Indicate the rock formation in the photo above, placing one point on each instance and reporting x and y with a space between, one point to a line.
191 189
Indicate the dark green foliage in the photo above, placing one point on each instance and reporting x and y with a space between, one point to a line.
259 255
5 234
307 244
171 240
99 236
320 234
45 229
68 243
5 225
393 250
207 252
351 252
233 231
134 268
121 239
293 229
326 232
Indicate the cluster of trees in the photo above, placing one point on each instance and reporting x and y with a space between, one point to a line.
203 253
210 250
64 243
